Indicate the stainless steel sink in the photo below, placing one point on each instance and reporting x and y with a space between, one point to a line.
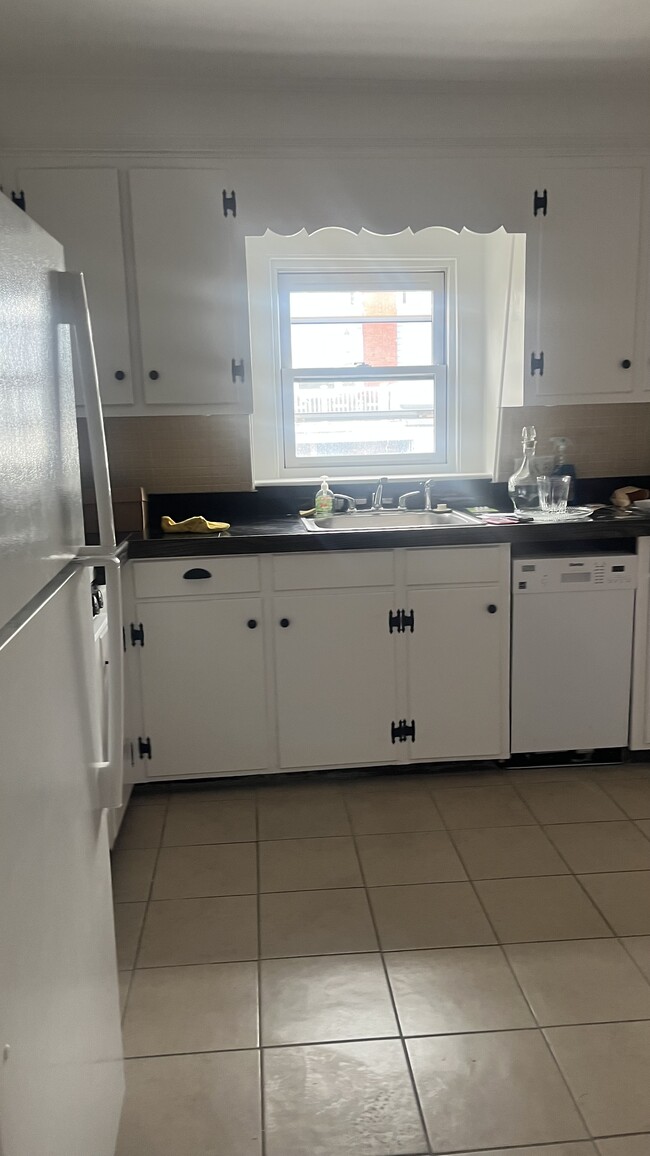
358 520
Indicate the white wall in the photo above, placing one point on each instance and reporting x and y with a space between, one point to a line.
46 114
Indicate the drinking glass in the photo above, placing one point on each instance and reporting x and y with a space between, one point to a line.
553 490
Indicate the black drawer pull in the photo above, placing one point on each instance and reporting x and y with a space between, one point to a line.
252 623
153 374
197 572
119 375
492 609
284 622
626 363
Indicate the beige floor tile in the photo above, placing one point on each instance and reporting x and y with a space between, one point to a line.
580 981
334 1099
625 1146
549 907
633 795
570 803
132 873
639 948
644 827
525 851
154 795
315 923
302 812
198 793
489 1089
141 827
207 1008
377 813
607 1067
429 915
206 1105
179 931
211 869
477 778
223 822
463 989
483 807
128 925
409 857
624 899
602 846
575 773
325 998
309 864
124 983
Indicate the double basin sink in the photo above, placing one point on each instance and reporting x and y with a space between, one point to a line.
357 520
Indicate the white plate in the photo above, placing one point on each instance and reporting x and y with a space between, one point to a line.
573 514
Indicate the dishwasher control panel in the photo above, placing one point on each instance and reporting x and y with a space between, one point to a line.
555 575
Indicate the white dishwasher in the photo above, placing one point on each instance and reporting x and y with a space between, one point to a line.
572 627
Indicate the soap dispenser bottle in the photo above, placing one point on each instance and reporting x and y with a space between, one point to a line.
522 486
561 466
324 503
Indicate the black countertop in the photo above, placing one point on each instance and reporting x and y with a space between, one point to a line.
279 535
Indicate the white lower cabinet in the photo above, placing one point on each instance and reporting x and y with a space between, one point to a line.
203 686
331 660
457 655
335 677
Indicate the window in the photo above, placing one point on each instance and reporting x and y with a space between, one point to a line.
375 354
364 379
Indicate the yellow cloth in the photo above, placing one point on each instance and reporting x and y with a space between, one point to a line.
196 525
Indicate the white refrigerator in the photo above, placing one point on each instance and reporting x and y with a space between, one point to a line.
61 1071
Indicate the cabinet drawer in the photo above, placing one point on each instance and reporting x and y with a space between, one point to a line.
173 578
444 566
348 568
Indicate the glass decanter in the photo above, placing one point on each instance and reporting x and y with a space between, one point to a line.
522 486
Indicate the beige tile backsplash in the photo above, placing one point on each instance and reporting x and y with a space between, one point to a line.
202 454
175 454
606 440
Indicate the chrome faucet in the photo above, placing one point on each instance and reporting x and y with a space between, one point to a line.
378 495
351 502
425 488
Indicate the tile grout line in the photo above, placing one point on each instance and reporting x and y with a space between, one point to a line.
144 914
260 1049
382 956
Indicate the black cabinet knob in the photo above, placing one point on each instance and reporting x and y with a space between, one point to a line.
492 609
153 374
197 572
626 363
284 622
119 375
252 623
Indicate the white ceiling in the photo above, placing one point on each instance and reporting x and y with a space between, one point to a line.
438 41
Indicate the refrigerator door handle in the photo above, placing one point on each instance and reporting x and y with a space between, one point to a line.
110 774
73 311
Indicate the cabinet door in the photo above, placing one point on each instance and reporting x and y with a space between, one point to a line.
457 681
81 209
191 275
589 287
335 678
203 686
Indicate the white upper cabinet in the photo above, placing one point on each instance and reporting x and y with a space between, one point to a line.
587 323
80 207
191 280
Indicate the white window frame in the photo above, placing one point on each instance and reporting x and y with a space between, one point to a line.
330 281
264 271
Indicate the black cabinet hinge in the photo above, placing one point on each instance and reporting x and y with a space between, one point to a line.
229 203
395 621
540 203
401 731
408 620
19 199
144 748
537 364
237 370
137 634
